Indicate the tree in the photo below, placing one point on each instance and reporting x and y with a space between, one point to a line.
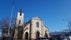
69 27
6 23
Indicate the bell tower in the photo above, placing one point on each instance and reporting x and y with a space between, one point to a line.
19 24
20 18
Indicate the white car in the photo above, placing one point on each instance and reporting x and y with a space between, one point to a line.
69 37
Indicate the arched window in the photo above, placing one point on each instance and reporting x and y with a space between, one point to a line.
37 24
19 21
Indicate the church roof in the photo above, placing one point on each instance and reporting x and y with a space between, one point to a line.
27 23
36 18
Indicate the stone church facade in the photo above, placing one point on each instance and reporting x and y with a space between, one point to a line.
32 29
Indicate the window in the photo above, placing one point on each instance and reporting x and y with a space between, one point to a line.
19 21
37 24
20 13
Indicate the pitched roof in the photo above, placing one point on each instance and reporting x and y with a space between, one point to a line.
36 18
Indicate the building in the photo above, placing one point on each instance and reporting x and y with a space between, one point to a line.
5 31
32 29
61 35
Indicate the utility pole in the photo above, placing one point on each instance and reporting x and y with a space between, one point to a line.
11 18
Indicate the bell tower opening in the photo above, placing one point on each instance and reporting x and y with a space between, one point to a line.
20 12
19 21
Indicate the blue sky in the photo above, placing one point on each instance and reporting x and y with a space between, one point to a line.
54 13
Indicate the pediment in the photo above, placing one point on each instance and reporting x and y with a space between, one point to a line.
36 18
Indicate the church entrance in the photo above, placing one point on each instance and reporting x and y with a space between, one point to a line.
46 35
37 34
26 36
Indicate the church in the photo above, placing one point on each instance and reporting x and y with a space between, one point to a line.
32 29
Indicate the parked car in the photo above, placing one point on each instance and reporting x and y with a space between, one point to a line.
7 38
42 39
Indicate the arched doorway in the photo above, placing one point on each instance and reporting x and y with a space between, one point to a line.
26 36
37 34
46 35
